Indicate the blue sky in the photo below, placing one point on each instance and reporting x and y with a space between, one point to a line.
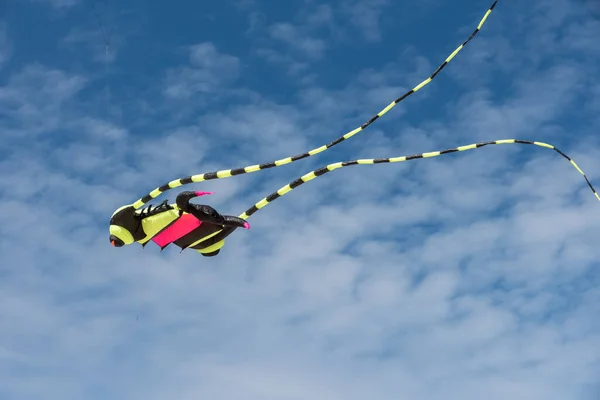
468 276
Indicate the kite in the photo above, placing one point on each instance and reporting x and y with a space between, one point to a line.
202 228
185 224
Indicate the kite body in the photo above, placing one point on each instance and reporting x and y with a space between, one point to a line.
187 225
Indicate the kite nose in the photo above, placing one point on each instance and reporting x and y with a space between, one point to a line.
115 241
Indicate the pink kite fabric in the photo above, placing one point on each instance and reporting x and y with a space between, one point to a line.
184 225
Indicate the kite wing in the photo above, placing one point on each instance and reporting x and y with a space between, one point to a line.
178 229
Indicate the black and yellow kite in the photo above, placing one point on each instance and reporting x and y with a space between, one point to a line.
202 228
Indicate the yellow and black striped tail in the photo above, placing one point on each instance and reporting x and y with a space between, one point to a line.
258 167
331 167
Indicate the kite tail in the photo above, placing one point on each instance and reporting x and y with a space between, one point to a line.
331 167
258 167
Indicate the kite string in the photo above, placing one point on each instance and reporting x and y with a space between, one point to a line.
331 167
258 167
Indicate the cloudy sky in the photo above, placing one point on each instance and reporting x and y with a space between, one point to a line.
468 276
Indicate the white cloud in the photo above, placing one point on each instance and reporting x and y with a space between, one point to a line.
209 71
294 67
290 34
33 101
366 15
304 41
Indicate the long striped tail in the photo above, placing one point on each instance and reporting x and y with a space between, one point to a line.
331 167
258 167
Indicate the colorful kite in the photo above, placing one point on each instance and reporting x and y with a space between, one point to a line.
202 228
